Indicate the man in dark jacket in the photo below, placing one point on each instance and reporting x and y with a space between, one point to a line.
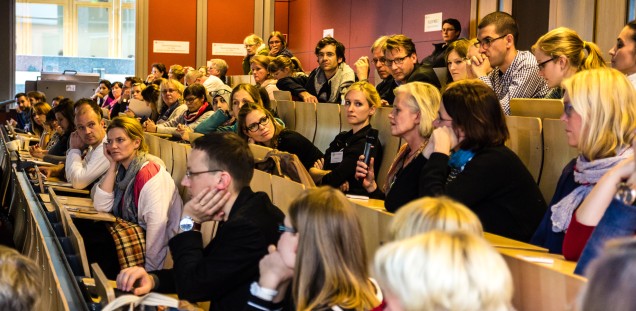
451 29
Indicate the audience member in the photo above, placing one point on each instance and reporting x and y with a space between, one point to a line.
101 96
457 60
384 88
428 214
20 282
222 118
451 29
65 121
254 46
278 45
258 125
414 109
36 97
38 118
138 189
468 161
220 168
218 67
176 72
516 74
401 58
600 119
443 271
338 168
157 72
193 77
329 82
262 77
623 52
150 95
198 109
321 254
560 53
24 111
56 100
53 131
170 102
284 70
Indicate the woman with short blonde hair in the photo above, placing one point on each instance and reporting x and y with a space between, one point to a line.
254 46
443 271
429 213
170 104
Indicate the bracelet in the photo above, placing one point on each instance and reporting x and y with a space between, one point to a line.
625 193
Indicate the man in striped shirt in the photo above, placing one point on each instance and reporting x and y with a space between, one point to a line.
515 74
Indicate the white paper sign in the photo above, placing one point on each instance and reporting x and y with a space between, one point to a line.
70 87
173 47
327 33
229 49
433 22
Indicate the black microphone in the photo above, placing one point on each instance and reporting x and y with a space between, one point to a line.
372 137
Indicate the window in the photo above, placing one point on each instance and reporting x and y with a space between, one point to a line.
82 35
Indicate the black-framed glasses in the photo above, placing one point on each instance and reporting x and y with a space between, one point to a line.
255 126
398 60
282 229
448 29
487 42
567 109
380 60
541 65
189 174
190 99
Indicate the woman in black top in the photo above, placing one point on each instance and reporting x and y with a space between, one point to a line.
468 161
257 124
338 168
414 109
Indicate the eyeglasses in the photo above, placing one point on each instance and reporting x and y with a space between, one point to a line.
255 126
487 42
380 60
541 65
190 174
168 91
448 29
398 60
567 109
190 99
282 228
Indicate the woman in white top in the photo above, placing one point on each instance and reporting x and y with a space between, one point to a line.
623 53
321 255
138 189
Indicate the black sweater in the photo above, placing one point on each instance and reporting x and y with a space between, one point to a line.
292 142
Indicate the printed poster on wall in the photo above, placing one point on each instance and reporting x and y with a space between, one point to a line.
172 47
228 49
433 22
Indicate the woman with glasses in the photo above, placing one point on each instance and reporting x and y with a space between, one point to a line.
278 45
623 53
561 53
198 109
170 105
468 161
257 124
262 77
338 168
220 118
600 119
414 109
320 261
138 189
254 46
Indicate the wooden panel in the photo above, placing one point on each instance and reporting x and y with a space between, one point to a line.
328 119
287 113
390 143
525 140
78 245
556 153
236 20
536 107
180 163
306 120
162 21
259 152
575 14
284 191
105 290
610 20
282 95
153 144
166 154
262 181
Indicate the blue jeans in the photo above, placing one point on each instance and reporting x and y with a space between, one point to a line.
618 221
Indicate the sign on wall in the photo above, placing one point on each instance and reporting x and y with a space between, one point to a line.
228 49
433 22
173 47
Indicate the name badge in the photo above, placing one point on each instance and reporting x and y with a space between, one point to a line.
336 157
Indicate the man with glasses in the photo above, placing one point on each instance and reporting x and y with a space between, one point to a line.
515 73
219 171
401 58
451 29
329 82
384 88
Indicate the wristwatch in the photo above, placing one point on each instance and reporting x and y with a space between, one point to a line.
625 193
188 224
262 292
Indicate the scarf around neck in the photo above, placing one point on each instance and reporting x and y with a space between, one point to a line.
124 205
586 174
193 116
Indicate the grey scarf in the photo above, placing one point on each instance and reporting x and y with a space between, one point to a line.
124 205
586 174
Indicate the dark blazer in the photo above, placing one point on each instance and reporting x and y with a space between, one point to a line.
406 186
293 142
223 271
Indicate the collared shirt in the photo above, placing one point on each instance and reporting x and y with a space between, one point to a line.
82 172
521 80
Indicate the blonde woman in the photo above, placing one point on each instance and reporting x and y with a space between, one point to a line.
321 255
600 119
259 65
138 189
561 53
338 167
443 271
254 45
429 213
170 105
414 109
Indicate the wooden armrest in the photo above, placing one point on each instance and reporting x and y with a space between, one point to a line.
71 190
162 135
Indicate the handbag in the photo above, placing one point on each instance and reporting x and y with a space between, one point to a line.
285 164
130 242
